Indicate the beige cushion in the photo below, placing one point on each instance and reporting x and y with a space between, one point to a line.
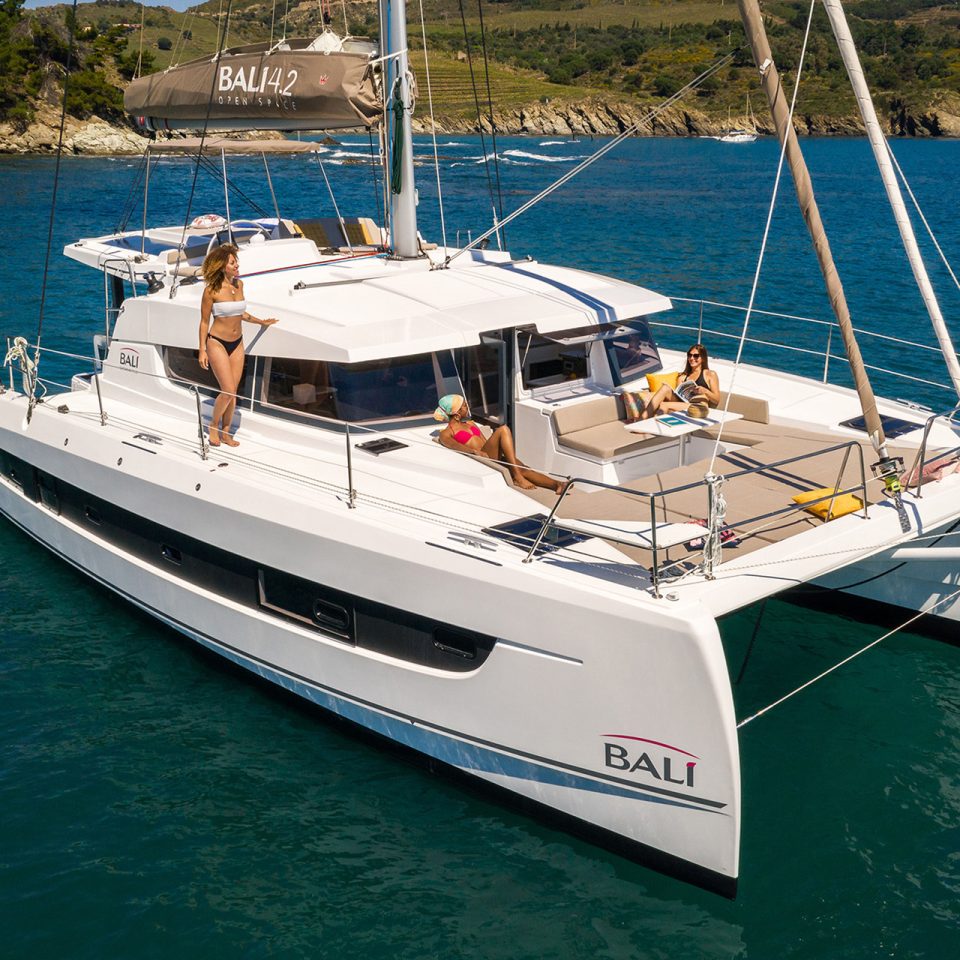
608 440
581 416
750 408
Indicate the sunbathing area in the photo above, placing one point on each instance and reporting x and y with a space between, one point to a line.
766 467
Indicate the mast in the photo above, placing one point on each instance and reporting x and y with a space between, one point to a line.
398 96
851 60
780 111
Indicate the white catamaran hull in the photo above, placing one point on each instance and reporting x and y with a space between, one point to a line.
625 732
925 576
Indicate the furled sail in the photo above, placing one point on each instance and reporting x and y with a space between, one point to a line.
321 83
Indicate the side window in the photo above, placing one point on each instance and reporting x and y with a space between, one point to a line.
182 364
329 611
302 385
389 389
545 362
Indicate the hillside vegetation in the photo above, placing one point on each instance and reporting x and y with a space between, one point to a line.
537 49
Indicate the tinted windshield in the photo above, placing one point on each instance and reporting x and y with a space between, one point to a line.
632 352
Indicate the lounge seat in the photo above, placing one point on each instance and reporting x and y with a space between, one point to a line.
752 429
596 427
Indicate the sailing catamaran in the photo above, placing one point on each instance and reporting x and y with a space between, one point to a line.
590 684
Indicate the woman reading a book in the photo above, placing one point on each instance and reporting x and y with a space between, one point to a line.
698 372
698 387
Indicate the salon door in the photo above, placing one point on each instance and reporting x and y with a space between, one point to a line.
484 374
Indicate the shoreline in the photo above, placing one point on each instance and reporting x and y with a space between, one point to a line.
583 118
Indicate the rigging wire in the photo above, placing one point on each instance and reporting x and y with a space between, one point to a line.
180 47
476 100
916 204
493 127
130 203
139 66
853 656
203 137
53 200
594 157
763 243
333 200
433 125
374 164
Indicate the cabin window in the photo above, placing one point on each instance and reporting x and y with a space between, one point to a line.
547 361
631 351
330 611
390 389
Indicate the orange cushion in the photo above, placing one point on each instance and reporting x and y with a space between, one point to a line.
657 380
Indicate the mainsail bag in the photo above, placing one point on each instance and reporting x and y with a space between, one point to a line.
287 86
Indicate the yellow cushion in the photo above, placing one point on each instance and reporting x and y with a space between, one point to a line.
656 380
842 505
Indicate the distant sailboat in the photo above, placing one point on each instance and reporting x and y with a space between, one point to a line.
740 134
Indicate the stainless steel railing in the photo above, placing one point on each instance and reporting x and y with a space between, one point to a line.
661 495
920 460
824 328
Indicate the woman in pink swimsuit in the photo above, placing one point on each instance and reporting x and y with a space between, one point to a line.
461 433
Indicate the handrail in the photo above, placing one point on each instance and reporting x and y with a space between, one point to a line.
846 446
826 354
921 457
652 497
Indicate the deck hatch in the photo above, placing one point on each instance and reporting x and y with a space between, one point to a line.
523 532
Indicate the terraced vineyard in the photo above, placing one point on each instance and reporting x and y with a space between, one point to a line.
453 91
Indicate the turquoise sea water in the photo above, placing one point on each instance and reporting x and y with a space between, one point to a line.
156 803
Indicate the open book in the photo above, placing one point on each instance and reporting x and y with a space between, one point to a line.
686 390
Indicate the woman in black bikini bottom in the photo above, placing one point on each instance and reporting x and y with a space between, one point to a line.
223 303
228 345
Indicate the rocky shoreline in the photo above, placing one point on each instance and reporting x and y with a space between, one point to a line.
588 117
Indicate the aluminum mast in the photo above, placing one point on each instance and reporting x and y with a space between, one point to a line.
397 84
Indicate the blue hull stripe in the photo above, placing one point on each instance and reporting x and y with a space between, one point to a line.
446 747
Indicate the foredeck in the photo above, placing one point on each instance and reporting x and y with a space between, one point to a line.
758 489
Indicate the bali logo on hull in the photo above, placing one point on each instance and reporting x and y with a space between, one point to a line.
130 358
651 758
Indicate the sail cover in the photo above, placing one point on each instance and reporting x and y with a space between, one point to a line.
293 85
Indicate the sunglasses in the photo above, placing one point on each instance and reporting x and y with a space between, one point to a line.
694 356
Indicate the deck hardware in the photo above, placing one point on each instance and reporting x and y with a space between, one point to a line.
200 436
103 416
66 441
63 408
351 493
148 437
468 540
119 461
197 487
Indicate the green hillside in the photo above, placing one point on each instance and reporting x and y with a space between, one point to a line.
561 49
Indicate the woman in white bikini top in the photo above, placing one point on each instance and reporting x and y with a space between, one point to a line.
222 312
